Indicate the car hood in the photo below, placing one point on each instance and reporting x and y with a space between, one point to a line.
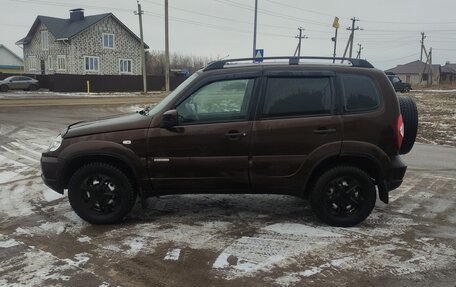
109 124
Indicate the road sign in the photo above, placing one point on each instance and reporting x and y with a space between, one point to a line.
259 54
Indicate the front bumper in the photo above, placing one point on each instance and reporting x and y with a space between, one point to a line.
51 172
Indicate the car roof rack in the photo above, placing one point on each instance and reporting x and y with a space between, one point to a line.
220 64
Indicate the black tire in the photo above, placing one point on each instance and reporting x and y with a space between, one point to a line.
406 90
33 87
101 193
343 196
410 119
4 88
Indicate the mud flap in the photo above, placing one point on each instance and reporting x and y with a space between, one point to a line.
383 192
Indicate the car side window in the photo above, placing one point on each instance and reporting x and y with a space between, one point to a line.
360 93
220 101
297 96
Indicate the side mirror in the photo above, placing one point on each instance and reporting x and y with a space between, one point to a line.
10 81
169 119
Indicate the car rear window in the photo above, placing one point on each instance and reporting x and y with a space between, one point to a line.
297 96
360 93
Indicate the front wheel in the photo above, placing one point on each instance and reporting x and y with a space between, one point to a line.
343 196
4 88
101 193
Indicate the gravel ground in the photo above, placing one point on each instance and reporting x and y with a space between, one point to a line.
437 116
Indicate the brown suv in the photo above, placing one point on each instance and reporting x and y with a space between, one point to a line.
330 133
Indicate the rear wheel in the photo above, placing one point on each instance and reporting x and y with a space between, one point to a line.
4 88
410 119
101 193
343 196
33 88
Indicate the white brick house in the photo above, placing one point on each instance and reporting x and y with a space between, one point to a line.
97 44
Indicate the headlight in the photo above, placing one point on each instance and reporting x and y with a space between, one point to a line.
56 144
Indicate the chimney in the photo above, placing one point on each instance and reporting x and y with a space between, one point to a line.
76 14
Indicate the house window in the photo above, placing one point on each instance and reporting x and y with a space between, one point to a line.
91 64
108 41
44 40
50 68
32 63
61 62
125 66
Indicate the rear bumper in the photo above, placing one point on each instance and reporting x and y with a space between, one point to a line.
396 173
51 169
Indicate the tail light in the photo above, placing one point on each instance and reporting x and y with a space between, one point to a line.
400 131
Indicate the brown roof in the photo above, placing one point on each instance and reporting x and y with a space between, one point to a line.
416 67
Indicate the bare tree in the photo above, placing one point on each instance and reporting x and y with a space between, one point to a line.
156 62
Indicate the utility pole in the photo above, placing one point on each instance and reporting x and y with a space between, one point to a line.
143 57
360 48
430 65
352 34
299 37
167 64
422 45
255 29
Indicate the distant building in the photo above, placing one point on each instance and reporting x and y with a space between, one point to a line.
97 44
417 73
448 75
10 62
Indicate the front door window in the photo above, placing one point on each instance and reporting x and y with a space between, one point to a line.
220 101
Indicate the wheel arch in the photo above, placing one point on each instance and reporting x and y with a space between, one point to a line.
365 162
120 162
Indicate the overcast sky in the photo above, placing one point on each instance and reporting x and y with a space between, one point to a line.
216 28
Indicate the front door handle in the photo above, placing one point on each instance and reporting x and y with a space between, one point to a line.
324 131
235 135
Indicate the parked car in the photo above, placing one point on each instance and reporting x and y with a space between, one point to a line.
19 83
330 133
398 85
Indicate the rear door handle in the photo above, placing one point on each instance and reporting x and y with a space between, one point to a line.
324 131
234 135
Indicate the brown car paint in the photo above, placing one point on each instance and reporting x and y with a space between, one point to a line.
270 155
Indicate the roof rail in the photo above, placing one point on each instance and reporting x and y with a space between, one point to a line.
291 61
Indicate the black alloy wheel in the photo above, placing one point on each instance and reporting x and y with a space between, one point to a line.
343 196
101 193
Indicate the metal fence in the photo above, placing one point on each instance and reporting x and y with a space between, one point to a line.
101 83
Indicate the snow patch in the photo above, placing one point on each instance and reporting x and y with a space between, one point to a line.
9 243
173 254
84 239
135 245
79 259
300 230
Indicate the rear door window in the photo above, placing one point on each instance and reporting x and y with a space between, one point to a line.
360 93
297 96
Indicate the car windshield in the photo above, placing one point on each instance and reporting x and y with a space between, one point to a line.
153 109
8 79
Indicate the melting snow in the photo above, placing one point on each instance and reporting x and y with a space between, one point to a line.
173 254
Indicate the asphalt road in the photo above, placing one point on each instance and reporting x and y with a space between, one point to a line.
216 240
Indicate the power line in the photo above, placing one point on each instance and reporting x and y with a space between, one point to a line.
396 59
